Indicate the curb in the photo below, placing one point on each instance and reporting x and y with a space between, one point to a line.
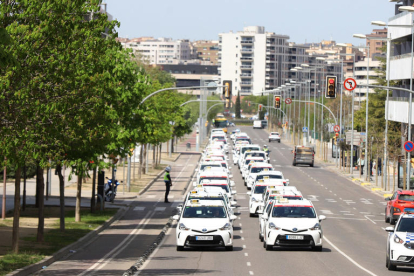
134 268
66 251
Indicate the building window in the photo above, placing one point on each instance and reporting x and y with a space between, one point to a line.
237 55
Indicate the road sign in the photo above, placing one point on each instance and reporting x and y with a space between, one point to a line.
337 128
409 146
304 129
288 101
350 84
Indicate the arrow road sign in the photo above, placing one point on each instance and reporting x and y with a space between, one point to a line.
288 101
350 84
409 146
304 129
337 128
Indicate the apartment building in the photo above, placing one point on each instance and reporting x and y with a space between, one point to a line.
162 50
207 51
254 60
361 75
375 45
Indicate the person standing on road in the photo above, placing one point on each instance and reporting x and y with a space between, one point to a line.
361 163
379 166
168 183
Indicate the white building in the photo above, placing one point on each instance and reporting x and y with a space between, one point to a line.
400 62
254 60
162 50
361 73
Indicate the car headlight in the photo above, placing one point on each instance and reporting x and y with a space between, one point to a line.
183 227
397 239
226 226
317 226
273 226
397 210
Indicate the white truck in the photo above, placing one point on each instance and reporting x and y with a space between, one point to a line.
257 124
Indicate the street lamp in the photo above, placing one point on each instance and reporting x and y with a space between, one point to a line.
366 109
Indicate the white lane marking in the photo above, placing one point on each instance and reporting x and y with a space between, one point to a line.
366 216
241 231
244 246
349 258
331 200
246 254
249 264
151 196
326 212
345 211
103 261
242 239
240 224
139 208
365 213
346 218
312 197
348 214
251 273
160 209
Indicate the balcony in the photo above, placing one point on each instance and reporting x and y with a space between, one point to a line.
244 67
246 50
246 75
270 59
269 76
270 51
246 42
246 83
246 58
270 68
246 91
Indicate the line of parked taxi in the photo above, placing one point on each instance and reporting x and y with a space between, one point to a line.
286 218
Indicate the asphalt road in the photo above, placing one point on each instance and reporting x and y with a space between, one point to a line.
354 236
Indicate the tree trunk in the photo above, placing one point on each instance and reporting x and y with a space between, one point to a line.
41 224
16 214
78 198
93 189
160 153
144 158
153 156
140 162
24 187
61 197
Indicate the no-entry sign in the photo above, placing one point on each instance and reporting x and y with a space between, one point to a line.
288 101
350 84
337 128
409 146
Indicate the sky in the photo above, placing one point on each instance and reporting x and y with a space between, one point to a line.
302 20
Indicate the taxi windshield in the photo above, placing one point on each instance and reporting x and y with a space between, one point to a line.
224 165
271 176
245 149
260 189
293 212
221 198
212 165
204 212
406 225
257 170
212 178
217 137
406 197
224 187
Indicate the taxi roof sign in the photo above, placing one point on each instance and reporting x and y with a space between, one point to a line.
284 200
195 201
193 192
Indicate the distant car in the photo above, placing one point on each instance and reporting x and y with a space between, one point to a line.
243 116
303 155
274 136
264 123
397 203
257 124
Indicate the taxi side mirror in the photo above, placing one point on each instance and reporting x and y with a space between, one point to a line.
233 203
265 216
389 229
232 185
234 192
322 217
196 170
176 217
194 183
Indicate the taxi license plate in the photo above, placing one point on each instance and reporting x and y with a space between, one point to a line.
204 238
294 237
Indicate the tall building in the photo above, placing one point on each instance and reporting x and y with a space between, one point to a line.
254 60
162 50
376 45
206 51
361 74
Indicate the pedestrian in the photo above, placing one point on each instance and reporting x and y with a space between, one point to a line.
361 163
168 183
379 166
370 168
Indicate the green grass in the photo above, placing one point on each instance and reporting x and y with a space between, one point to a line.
54 239
11 262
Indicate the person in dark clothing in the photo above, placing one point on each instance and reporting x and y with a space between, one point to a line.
379 166
370 168
168 183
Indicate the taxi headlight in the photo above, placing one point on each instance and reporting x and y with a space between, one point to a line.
226 226
397 210
183 227
397 239
317 226
273 226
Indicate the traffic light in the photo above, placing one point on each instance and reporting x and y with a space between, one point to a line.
277 102
260 108
330 87
227 89
227 104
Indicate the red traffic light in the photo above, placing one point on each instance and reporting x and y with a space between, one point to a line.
331 81
278 99
337 134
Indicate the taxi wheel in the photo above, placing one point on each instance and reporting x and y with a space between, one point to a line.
317 248
391 266
180 248
252 215
311 165
269 247
279 141
260 237
264 243
229 248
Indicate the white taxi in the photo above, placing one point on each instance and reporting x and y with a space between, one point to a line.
293 224
272 175
255 169
245 166
204 223
221 184
400 242
256 196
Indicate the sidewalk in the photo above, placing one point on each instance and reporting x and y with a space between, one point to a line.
370 184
